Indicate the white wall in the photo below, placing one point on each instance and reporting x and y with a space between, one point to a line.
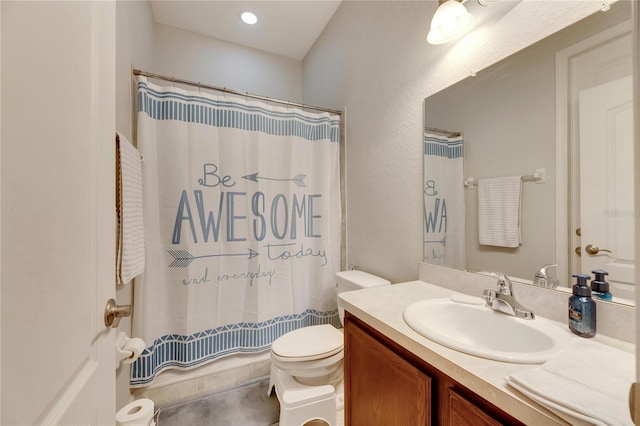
145 45
373 60
197 58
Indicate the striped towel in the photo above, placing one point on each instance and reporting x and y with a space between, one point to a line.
130 259
499 211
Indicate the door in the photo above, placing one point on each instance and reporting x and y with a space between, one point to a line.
597 60
57 212
607 183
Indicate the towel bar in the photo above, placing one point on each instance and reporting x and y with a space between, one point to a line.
538 177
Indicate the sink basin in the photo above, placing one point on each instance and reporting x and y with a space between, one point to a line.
463 323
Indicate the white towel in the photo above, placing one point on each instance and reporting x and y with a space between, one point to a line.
499 211
585 383
130 256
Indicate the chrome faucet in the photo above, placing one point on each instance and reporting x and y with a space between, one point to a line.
543 278
503 299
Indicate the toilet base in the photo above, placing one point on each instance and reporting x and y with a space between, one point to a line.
301 403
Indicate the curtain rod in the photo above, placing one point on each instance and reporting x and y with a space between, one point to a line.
448 133
233 92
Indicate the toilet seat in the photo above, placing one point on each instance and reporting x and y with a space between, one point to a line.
308 344
312 355
312 368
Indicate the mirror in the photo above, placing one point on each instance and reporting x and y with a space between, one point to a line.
530 115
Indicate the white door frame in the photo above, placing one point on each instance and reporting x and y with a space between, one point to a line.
565 172
635 42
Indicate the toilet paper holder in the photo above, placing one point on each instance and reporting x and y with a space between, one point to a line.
113 313
128 349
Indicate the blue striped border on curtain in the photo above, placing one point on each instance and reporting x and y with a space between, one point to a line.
190 351
442 147
229 114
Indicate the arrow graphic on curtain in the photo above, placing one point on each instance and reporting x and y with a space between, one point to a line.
297 179
443 241
182 258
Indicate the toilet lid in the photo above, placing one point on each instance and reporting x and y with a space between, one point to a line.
309 342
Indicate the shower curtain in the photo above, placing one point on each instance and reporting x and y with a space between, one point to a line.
444 216
242 225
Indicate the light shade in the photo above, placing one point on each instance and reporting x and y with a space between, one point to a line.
449 22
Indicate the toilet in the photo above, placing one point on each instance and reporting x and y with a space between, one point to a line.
306 364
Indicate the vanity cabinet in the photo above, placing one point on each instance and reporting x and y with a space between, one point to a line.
385 384
381 388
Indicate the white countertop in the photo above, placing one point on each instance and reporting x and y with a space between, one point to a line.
382 308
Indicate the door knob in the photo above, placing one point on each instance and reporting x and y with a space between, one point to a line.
578 251
594 249
113 313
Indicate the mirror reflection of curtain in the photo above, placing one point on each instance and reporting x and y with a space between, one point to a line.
444 217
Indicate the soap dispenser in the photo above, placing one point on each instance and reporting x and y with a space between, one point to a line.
582 308
599 286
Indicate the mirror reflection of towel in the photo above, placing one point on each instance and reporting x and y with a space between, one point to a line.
499 201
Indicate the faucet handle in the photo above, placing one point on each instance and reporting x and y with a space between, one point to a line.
504 284
489 297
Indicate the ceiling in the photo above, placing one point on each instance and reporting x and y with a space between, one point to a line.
286 28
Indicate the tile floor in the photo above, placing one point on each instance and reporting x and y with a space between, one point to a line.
246 405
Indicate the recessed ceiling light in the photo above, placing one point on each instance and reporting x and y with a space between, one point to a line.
249 18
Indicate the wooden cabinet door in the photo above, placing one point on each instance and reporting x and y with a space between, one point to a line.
381 388
463 412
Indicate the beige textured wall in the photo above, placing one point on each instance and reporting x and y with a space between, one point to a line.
373 60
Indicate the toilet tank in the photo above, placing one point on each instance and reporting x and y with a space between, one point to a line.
355 280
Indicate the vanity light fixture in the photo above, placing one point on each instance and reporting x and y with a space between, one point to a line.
248 17
449 22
